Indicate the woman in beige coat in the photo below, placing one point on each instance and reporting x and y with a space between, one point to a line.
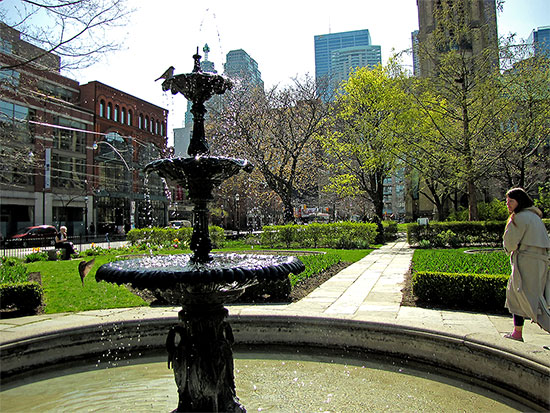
526 241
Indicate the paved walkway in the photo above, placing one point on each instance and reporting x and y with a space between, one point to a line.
368 290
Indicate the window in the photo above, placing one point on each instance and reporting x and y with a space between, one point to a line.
12 121
117 110
140 124
146 124
129 119
6 46
55 90
109 110
102 108
123 116
67 171
69 139
157 127
9 79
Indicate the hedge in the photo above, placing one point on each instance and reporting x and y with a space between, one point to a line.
167 236
341 235
458 234
485 292
25 296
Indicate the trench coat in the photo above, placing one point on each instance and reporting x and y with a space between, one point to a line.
528 291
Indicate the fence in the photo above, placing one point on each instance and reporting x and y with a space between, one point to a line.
80 242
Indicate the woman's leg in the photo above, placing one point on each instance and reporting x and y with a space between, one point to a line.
518 327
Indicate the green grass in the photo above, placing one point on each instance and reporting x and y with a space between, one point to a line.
64 292
456 261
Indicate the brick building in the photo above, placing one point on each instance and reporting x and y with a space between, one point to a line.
128 133
73 154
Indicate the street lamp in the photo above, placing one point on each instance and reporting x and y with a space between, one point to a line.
237 212
86 217
95 146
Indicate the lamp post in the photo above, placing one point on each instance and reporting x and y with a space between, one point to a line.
237 212
86 217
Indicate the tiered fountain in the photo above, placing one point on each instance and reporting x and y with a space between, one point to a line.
200 346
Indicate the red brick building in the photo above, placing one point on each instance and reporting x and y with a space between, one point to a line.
128 133
44 149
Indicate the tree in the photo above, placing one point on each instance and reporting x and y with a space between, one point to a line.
75 30
362 135
525 124
276 131
465 96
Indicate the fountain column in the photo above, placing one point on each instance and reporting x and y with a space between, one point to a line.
199 349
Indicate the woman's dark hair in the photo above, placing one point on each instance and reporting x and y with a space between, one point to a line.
522 198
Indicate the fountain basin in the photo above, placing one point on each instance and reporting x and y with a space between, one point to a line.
520 378
223 273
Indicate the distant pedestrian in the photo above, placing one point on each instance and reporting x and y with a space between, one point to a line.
62 241
526 241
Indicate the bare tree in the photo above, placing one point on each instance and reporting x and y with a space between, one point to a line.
276 130
75 30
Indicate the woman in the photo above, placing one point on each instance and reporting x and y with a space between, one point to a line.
526 241
61 241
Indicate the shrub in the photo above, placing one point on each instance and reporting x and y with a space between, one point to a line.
36 256
343 235
25 296
12 270
462 233
464 291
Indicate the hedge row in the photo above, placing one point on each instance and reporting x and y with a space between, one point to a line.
458 234
485 292
172 236
25 297
341 235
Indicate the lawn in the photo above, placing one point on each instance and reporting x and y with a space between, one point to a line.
64 292
489 261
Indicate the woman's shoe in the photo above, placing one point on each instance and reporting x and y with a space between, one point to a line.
511 336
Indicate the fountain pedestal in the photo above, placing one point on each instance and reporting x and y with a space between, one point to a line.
200 352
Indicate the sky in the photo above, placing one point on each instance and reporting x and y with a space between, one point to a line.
277 34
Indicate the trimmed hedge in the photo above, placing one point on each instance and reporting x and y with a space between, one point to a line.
167 236
458 234
486 292
340 235
25 296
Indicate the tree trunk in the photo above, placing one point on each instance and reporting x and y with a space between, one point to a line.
472 202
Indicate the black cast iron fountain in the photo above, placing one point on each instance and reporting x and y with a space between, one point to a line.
200 346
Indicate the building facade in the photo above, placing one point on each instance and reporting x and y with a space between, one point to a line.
540 39
480 17
337 54
128 133
239 64
45 152
73 154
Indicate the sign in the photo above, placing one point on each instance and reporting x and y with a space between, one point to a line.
47 167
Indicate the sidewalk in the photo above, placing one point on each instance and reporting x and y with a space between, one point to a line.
368 290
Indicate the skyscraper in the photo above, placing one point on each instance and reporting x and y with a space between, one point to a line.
239 64
337 54
540 39
479 16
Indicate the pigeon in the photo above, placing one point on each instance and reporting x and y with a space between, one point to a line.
168 74
84 268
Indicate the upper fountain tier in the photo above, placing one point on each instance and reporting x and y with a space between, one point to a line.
197 86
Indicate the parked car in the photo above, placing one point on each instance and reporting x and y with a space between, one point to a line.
179 224
35 236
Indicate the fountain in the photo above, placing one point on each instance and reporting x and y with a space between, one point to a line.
200 346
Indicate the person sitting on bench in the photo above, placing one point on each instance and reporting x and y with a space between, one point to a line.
61 241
